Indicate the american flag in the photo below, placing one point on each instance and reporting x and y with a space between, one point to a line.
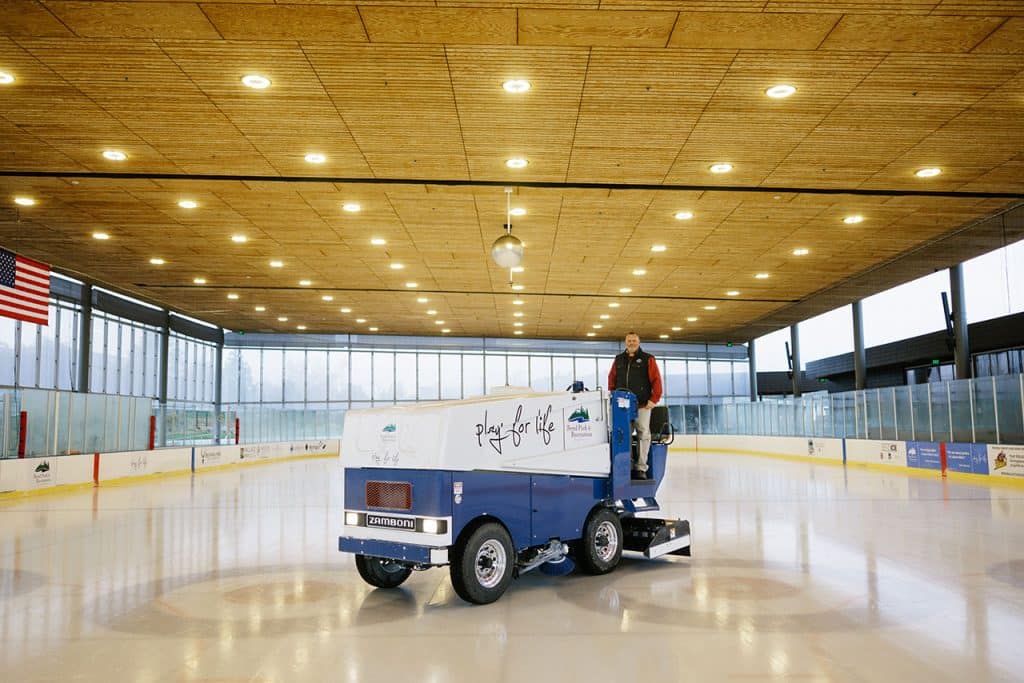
24 288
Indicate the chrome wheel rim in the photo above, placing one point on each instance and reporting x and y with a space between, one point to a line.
490 563
606 540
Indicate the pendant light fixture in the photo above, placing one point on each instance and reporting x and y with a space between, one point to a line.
507 250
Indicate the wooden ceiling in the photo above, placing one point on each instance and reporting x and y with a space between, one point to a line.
631 102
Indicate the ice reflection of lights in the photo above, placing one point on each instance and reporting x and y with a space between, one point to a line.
747 633
779 662
700 590
722 613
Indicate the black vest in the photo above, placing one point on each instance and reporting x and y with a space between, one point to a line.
632 375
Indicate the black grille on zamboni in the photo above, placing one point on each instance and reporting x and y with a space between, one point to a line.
389 495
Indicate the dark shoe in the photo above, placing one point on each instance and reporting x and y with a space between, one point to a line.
637 474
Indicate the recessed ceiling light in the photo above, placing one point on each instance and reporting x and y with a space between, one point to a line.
187 204
445 331
732 292
604 316
711 308
597 326
302 327
114 155
517 163
517 332
801 252
232 296
100 236
327 297
517 288
351 208
397 266
761 276
658 247
374 329
259 309
850 220
518 211
518 302
315 158
639 271
24 201
305 283
439 322
662 336
720 168
516 85
378 241
517 314
241 239
282 319
255 81
346 309
614 304
431 312
360 320
928 172
199 280
778 92
6 78
517 324
412 285
157 261
692 319
591 334
517 269
277 264
676 328
625 290
683 215
422 299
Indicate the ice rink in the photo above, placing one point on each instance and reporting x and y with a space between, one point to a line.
800 571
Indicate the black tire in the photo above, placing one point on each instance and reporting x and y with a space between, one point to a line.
600 549
381 573
483 564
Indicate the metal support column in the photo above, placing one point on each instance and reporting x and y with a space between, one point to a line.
165 347
84 340
752 369
794 345
218 376
961 347
859 354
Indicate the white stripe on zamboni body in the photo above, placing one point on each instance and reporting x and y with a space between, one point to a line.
514 431
398 536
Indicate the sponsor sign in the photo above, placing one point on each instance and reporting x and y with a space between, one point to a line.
967 457
42 474
1006 461
507 430
386 453
925 455
580 429
389 522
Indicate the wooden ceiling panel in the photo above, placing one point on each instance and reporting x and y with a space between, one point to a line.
303 22
145 20
619 28
752 31
889 33
440 25
29 18
1007 39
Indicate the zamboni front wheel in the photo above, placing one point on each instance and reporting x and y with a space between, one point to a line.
600 549
481 567
381 573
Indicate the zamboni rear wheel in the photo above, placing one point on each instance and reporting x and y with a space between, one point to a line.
381 573
482 566
600 549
